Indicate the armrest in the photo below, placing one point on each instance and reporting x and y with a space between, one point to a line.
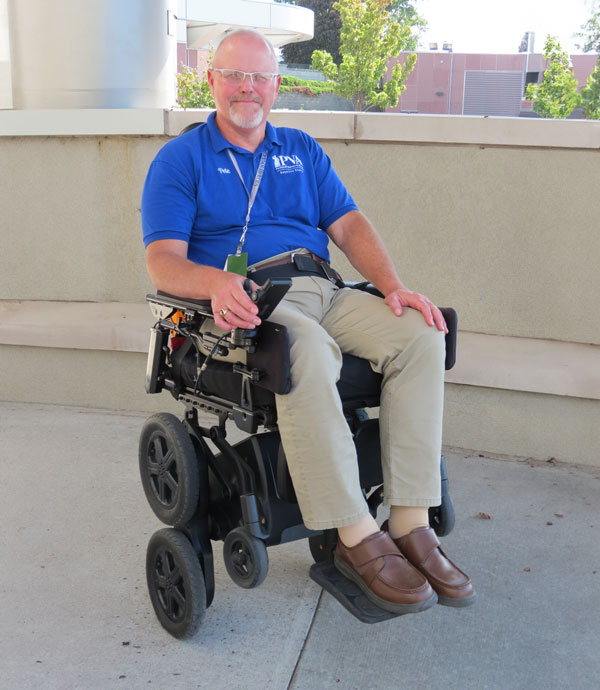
202 306
450 316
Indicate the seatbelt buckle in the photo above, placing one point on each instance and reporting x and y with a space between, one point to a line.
303 262
331 274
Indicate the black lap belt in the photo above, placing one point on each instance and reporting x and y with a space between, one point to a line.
299 265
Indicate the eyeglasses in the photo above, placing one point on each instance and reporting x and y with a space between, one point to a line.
235 77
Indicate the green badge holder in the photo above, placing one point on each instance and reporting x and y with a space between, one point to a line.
237 263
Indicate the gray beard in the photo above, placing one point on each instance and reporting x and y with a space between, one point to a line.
247 121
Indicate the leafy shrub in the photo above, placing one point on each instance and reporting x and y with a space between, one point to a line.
192 89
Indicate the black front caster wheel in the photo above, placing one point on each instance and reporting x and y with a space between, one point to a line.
169 469
175 583
442 517
246 558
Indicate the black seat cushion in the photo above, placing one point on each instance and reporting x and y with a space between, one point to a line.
359 385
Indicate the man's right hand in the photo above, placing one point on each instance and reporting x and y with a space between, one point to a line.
172 272
231 304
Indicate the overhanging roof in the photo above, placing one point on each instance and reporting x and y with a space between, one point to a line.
208 21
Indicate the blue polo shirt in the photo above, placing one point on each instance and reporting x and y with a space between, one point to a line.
193 193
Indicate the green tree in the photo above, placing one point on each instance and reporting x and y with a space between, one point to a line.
404 12
590 94
557 95
193 90
326 34
370 36
328 25
591 31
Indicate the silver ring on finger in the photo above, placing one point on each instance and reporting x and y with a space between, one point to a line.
223 312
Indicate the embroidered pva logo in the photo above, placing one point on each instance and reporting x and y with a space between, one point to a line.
224 171
287 164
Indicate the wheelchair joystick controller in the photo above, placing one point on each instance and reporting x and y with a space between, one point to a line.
268 295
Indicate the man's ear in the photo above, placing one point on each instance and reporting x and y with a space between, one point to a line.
210 78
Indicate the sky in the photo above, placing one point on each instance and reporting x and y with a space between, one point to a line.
497 26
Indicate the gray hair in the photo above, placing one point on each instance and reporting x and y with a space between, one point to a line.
248 32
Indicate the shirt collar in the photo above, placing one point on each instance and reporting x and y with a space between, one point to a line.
219 143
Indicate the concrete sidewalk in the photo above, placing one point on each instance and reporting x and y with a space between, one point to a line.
75 614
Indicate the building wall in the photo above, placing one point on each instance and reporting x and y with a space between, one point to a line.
436 85
583 66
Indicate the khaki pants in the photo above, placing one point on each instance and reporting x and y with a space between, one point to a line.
324 321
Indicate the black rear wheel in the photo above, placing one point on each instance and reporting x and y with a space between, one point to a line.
169 469
175 583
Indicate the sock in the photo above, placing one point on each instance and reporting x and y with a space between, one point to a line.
404 519
351 535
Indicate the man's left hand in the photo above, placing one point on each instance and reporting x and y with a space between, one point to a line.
403 297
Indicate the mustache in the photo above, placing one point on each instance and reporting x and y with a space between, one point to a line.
254 99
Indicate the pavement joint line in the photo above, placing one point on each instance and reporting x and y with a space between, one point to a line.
306 639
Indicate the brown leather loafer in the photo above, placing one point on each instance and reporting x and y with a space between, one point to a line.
384 575
422 548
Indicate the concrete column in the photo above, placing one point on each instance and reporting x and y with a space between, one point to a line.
92 53
5 85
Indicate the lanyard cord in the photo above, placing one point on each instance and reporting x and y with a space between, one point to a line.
251 195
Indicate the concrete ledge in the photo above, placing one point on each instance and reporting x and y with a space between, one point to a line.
323 125
490 420
89 122
427 129
76 325
488 361
526 424
468 129
527 364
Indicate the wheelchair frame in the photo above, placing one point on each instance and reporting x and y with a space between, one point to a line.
242 495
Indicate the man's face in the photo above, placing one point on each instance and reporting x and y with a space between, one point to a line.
244 105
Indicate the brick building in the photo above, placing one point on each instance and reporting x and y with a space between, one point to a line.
477 84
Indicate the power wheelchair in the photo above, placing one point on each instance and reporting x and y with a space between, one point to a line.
242 494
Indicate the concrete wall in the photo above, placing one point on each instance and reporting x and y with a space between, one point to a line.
74 217
506 234
495 217
503 234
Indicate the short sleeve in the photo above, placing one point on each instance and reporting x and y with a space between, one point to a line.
334 199
168 201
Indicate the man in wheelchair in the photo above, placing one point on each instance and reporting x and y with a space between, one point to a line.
236 201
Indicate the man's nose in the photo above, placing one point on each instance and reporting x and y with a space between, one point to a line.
247 83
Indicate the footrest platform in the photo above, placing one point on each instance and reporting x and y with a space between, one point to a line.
348 594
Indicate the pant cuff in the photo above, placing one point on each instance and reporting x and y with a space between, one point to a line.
413 502
333 523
